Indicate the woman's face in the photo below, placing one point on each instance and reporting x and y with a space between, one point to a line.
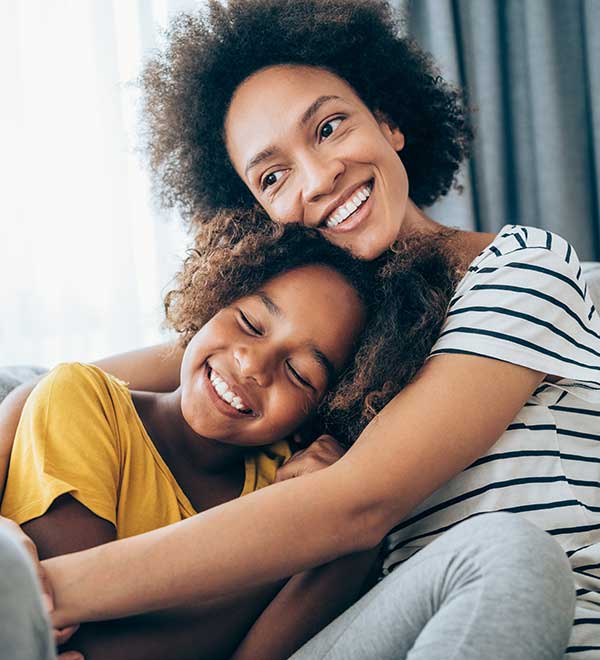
259 367
311 152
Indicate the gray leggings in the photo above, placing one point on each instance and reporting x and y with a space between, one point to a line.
494 587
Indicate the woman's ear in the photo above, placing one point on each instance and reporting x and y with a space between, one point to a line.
390 131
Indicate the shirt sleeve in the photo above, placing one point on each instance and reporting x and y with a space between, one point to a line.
529 307
66 442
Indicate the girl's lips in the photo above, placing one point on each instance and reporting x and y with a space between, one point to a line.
356 218
222 406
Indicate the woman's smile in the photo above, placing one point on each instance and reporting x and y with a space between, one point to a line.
348 214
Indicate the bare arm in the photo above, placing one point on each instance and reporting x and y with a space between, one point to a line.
187 632
308 603
155 369
457 407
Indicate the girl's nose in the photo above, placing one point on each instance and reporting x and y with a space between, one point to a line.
255 363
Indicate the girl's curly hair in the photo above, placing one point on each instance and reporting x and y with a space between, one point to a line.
405 292
188 87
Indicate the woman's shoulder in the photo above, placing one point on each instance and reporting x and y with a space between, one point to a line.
524 301
522 243
525 257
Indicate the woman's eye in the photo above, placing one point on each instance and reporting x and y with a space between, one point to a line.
329 127
298 377
271 179
249 325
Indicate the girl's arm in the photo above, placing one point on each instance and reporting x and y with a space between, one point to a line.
308 603
455 409
155 368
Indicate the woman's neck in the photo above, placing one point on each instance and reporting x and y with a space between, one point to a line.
178 444
466 245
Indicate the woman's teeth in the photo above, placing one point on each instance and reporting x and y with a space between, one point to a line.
347 209
222 389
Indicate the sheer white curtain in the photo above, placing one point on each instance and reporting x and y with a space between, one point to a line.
85 253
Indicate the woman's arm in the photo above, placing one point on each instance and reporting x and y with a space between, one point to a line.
155 368
455 409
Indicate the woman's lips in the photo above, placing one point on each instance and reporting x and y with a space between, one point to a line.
353 220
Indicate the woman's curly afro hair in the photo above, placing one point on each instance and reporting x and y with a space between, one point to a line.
405 293
188 87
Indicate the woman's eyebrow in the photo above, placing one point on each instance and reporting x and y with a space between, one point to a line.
307 115
260 156
313 108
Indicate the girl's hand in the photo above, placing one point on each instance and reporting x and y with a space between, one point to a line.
322 453
60 635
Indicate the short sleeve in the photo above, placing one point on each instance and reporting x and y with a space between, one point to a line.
262 465
529 306
66 442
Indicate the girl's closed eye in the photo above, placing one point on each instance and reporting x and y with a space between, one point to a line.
249 325
329 127
298 378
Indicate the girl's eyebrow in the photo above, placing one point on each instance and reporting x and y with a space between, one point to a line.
307 115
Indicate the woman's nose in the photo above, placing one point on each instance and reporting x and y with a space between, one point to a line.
320 177
255 363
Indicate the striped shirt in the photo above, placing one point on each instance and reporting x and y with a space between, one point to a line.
523 301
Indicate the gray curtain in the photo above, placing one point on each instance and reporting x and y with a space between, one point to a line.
531 69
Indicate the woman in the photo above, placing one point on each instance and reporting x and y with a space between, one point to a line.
331 138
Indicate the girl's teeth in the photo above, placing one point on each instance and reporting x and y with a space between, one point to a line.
222 389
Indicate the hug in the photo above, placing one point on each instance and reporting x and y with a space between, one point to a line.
448 506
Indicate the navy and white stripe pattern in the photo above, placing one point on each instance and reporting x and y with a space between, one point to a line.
523 301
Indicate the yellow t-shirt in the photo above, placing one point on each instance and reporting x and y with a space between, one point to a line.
80 434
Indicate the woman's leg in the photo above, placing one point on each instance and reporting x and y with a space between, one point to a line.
494 586
25 633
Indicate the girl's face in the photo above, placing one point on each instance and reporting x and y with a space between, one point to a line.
259 367
311 152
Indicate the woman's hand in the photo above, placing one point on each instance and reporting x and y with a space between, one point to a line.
322 453
60 635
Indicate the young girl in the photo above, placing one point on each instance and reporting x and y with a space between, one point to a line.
93 462
321 113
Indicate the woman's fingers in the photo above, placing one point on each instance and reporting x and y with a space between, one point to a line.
324 451
71 655
62 635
